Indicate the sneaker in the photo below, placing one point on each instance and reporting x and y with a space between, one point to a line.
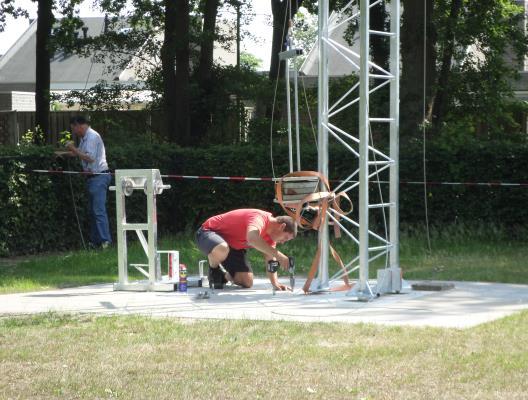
105 245
216 278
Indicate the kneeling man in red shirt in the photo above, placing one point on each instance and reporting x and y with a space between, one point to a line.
225 239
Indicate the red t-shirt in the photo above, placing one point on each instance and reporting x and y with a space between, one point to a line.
233 226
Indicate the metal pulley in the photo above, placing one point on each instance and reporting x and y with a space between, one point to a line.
129 184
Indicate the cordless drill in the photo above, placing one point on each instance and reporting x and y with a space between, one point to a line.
273 266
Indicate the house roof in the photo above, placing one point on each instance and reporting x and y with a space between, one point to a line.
222 55
73 72
17 66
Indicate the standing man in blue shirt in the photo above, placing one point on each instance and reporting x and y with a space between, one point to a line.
91 152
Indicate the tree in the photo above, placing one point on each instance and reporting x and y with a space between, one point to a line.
412 55
469 58
157 39
439 101
168 38
249 61
205 66
305 33
172 99
205 94
182 93
45 21
7 8
204 71
482 45
46 44
283 11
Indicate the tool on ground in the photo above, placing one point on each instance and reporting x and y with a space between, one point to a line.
216 277
291 271
202 295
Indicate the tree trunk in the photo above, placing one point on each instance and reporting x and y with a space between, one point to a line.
412 52
168 65
175 70
205 65
182 94
201 103
281 14
379 44
42 75
441 98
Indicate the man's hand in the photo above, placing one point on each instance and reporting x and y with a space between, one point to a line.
70 145
281 287
283 261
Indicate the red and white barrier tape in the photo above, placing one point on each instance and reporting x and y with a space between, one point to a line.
170 176
489 184
267 179
217 178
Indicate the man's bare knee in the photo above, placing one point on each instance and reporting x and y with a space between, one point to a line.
218 254
243 279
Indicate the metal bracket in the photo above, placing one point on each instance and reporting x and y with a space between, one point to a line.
288 54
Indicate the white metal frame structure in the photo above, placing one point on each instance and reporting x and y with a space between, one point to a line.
291 53
149 181
370 161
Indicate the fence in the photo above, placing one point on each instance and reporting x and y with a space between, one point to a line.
13 124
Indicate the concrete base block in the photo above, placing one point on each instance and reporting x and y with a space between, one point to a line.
434 286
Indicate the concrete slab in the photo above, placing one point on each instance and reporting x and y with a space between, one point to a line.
467 305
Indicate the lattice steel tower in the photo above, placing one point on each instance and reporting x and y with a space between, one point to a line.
378 237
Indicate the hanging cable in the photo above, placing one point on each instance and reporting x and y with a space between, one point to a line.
424 147
380 194
92 61
309 113
306 98
74 202
275 96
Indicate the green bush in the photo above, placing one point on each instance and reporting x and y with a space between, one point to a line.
37 212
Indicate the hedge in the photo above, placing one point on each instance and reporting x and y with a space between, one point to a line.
37 212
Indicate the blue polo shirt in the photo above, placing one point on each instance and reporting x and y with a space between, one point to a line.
92 145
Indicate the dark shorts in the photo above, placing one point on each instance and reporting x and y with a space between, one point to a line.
236 261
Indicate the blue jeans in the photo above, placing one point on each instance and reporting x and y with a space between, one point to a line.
99 228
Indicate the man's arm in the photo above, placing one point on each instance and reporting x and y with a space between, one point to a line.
76 152
257 242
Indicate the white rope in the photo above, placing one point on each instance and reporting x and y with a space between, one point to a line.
424 148
92 62
309 113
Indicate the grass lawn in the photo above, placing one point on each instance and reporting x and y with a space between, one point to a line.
87 357
457 254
